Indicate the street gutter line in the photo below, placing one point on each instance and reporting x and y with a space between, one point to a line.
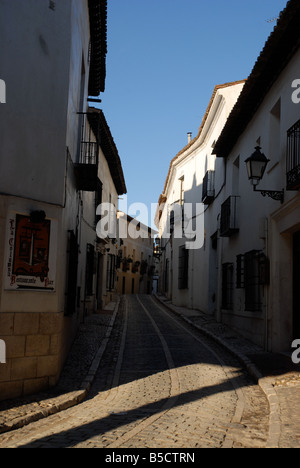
240 406
174 393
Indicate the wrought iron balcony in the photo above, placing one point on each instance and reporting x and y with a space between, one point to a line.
208 191
86 170
293 157
229 217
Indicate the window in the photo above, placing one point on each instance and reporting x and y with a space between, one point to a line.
181 200
208 190
236 176
227 286
183 268
166 276
229 217
98 198
275 123
86 168
90 266
172 221
111 273
240 271
293 157
253 273
253 288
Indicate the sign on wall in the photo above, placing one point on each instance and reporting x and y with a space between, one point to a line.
31 253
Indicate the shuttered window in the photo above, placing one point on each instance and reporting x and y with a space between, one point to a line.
183 268
227 286
111 273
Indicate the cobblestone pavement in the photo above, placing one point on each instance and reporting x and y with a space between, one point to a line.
277 375
161 384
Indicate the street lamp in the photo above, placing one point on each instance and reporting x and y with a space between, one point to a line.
256 167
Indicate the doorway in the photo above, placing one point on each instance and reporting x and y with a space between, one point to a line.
296 286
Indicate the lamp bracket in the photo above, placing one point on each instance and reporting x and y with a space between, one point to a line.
274 194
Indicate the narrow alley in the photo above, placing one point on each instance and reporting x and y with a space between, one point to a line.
160 384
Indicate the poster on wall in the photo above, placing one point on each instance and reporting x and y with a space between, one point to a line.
31 252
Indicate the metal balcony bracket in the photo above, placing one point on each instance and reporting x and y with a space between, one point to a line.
277 195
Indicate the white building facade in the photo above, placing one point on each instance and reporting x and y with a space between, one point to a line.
260 259
181 211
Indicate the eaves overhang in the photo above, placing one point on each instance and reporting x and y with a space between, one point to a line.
279 49
98 48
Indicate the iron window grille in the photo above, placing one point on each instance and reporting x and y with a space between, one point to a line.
253 286
183 268
253 273
111 272
227 286
293 157
208 190
229 217
166 276
90 137
240 271
172 221
86 171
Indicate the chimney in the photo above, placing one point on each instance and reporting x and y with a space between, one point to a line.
189 137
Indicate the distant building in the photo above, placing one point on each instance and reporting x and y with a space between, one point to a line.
136 263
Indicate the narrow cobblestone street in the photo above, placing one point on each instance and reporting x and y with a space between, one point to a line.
161 384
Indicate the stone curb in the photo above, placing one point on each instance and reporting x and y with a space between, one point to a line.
70 399
265 383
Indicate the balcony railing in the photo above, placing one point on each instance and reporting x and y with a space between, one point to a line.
208 191
88 152
229 217
87 170
293 157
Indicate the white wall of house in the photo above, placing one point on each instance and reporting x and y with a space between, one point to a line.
187 172
265 224
33 120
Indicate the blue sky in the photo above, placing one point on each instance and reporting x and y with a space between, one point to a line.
164 59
